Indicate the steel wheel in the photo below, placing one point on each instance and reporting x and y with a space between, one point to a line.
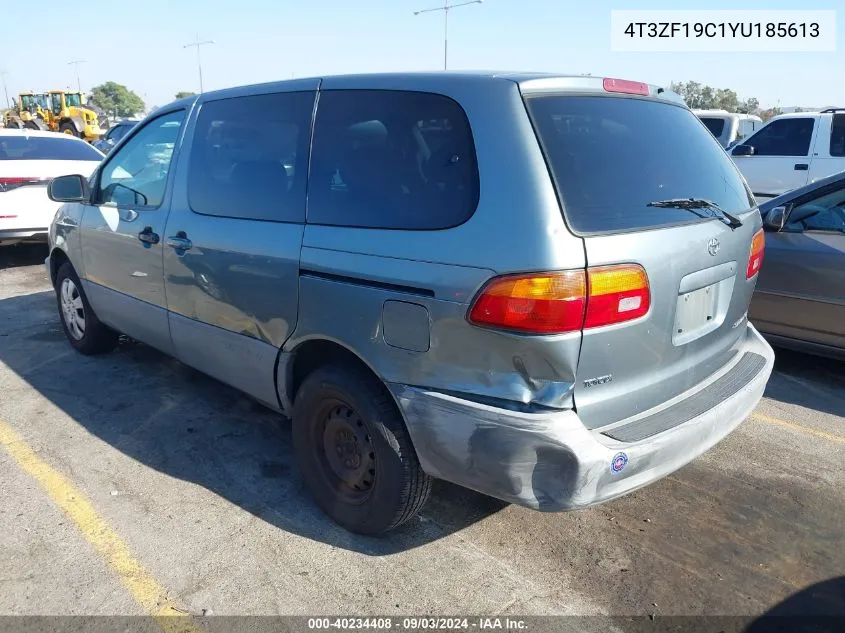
73 310
345 452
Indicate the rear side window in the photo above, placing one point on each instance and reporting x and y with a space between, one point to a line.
783 137
610 157
837 136
391 160
249 158
45 148
716 126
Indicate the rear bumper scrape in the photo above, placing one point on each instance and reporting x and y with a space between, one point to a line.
549 460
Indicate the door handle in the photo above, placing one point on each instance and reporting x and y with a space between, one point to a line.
148 237
179 241
801 167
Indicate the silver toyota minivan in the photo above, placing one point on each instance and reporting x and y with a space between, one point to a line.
533 286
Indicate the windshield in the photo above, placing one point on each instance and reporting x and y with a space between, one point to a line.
27 101
611 157
73 99
45 148
716 126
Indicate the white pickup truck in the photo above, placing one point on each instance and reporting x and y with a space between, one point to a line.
792 150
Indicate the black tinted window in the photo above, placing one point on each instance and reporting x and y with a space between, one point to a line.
716 126
783 137
45 148
611 157
250 157
391 160
837 136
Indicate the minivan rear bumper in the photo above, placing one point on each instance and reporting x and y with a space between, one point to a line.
550 461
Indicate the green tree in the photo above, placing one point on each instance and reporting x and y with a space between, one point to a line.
768 114
117 99
182 94
703 97
725 99
749 106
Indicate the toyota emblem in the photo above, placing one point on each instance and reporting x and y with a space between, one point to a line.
713 246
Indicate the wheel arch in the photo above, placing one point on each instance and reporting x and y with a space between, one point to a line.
57 258
308 354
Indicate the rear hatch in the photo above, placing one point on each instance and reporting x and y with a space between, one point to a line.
620 163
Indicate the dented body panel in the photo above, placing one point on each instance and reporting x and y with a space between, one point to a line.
549 460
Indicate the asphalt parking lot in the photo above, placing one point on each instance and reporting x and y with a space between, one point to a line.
130 483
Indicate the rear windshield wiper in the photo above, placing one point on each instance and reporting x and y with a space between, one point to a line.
709 209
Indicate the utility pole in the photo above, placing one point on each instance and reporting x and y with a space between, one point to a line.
198 44
3 74
445 9
76 63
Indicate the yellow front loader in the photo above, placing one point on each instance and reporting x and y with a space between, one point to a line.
31 112
68 114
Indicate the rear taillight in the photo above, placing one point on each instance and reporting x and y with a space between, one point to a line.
625 86
617 294
755 260
545 303
559 302
8 183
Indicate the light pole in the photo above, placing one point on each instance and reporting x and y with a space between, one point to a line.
198 44
76 64
446 8
5 90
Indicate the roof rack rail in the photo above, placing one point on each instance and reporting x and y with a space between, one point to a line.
829 110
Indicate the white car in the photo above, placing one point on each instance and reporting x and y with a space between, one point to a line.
729 127
792 150
29 160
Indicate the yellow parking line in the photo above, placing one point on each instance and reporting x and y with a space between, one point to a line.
140 583
839 439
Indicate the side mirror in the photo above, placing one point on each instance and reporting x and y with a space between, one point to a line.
775 219
68 189
743 150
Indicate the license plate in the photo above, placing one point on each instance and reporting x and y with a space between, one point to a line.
695 313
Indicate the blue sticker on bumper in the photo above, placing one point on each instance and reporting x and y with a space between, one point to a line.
620 460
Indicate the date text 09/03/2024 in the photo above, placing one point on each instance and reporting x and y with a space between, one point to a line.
419 624
723 29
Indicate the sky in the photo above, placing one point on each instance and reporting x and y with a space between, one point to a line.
140 44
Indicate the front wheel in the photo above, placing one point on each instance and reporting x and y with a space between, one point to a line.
68 128
82 327
354 451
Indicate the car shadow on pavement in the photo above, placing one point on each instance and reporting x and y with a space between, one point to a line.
18 255
819 608
182 423
809 381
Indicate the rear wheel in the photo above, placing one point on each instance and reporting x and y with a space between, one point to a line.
31 125
82 327
14 124
68 128
354 451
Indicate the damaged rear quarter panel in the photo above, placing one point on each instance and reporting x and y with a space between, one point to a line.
336 304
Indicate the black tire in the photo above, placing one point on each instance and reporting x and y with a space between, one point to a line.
383 452
94 337
69 128
30 125
14 124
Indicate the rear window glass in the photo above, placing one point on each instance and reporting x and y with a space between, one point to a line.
45 148
391 160
610 157
716 126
